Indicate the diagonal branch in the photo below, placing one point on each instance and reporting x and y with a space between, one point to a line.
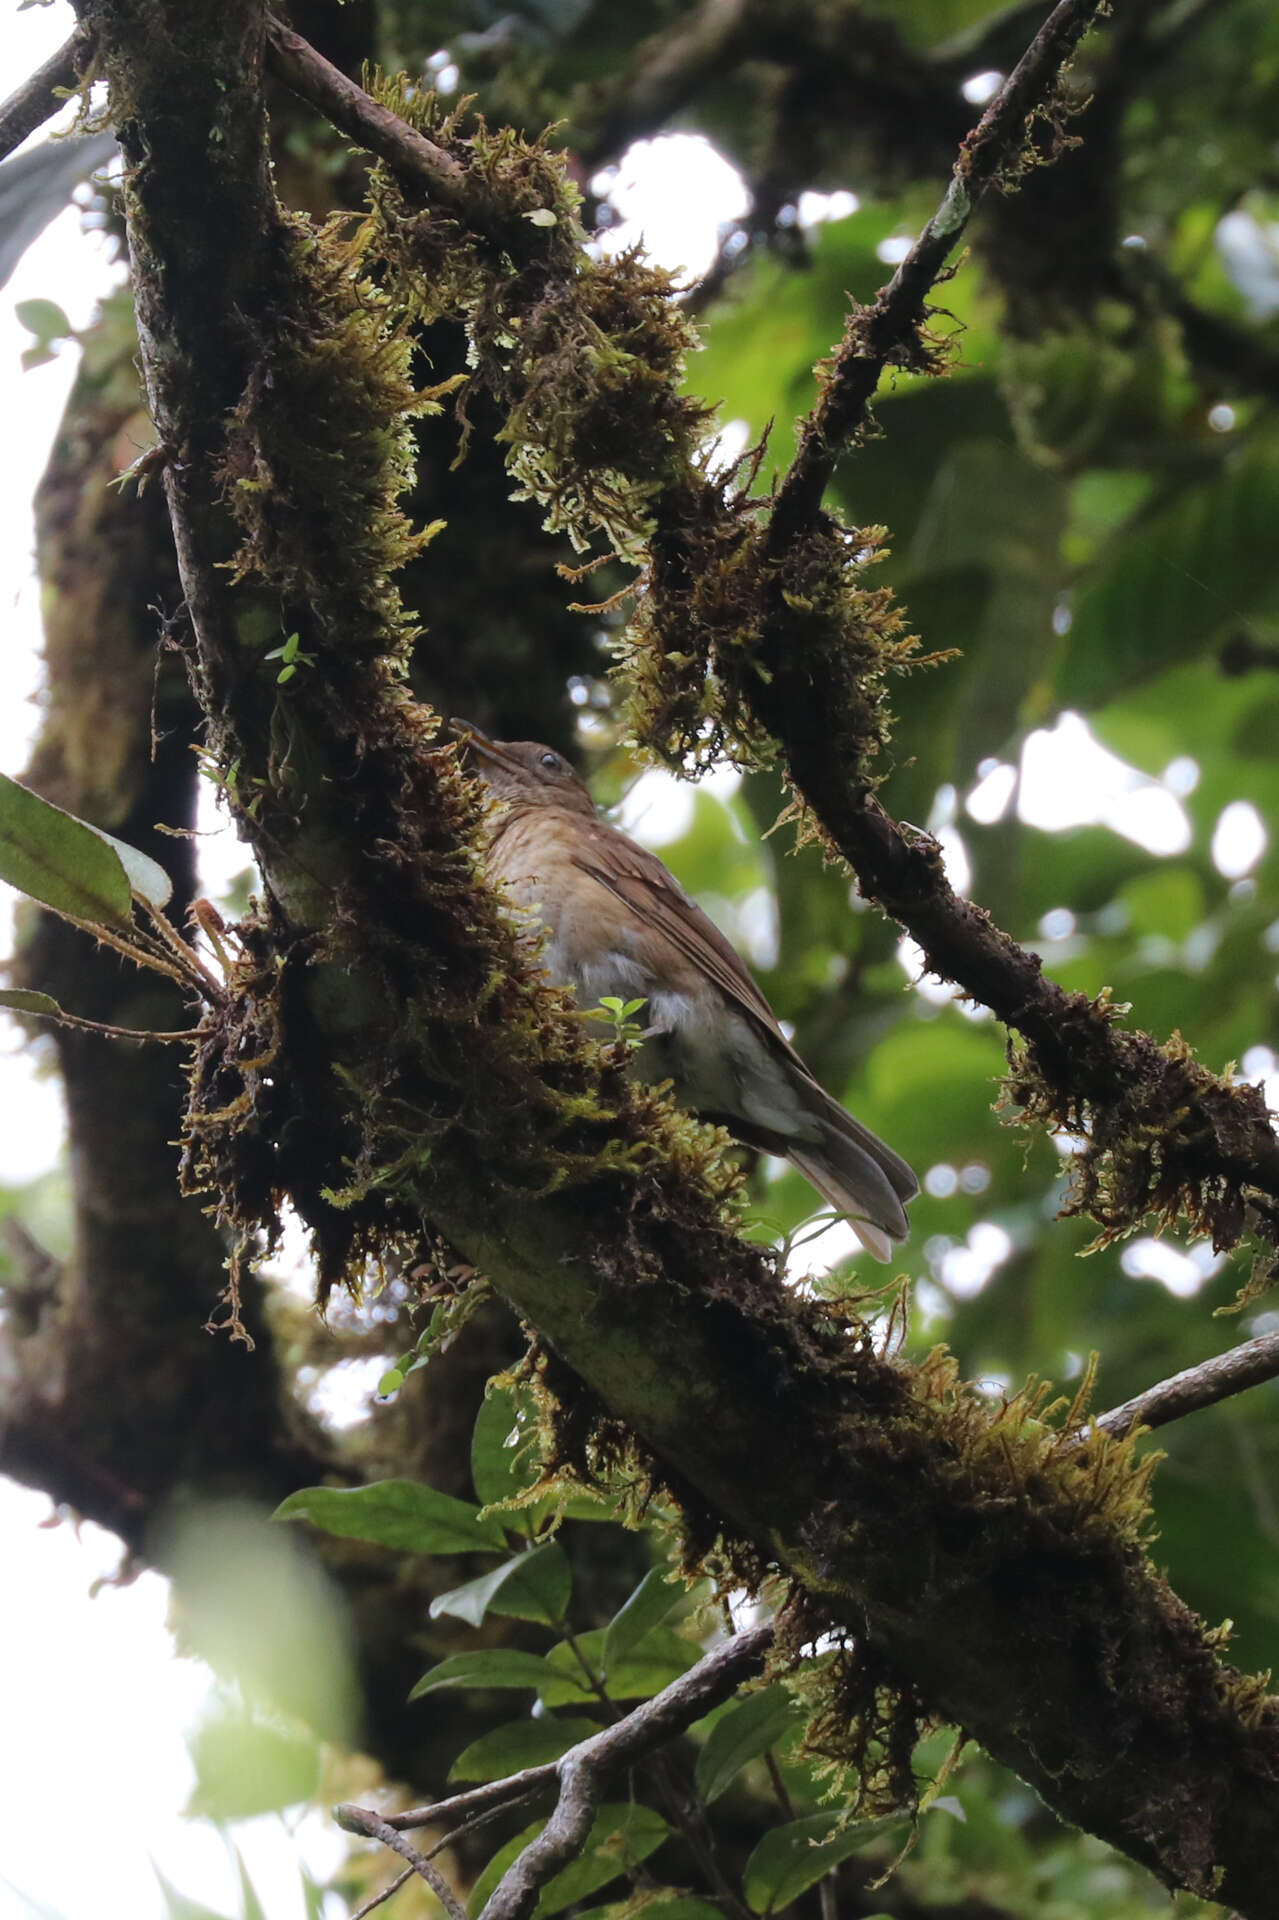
888 331
372 1826
585 1770
414 158
1203 1386
44 94
581 1774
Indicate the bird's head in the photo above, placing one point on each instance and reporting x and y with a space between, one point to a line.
524 772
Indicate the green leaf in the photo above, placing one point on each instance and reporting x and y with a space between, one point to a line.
520 1744
251 1907
660 1657
750 1727
650 1603
622 1835
390 1382
530 1586
396 1513
492 1667
22 1000
504 1464
44 318
501 1449
796 1856
59 860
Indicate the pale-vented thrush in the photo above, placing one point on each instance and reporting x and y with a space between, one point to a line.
617 923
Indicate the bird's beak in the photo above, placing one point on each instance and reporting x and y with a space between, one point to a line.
480 744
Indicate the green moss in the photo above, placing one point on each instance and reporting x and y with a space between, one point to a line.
1148 1141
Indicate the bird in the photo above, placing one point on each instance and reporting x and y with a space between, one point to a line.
618 923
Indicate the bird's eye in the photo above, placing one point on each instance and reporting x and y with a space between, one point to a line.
551 761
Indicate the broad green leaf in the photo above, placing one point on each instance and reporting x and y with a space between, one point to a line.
503 1458
650 1603
59 860
493 1668
796 1856
750 1727
396 1513
519 1744
660 1657
21 1000
530 1586
622 1835
504 1465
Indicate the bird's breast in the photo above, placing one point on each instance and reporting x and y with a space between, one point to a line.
602 947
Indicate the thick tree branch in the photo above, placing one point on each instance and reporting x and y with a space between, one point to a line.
44 94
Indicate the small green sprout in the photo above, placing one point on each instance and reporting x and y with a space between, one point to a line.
627 1031
292 657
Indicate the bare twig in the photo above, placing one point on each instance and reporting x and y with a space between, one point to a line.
584 1769
495 1793
580 1773
40 97
450 1839
380 1899
364 1821
679 1798
415 160
875 337
1202 1386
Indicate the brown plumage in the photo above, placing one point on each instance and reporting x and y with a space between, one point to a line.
618 923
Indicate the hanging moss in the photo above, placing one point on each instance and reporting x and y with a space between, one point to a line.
1146 1144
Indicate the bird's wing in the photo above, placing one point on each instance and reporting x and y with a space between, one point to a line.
639 880
853 1169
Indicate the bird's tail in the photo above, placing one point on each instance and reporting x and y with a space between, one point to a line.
860 1176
